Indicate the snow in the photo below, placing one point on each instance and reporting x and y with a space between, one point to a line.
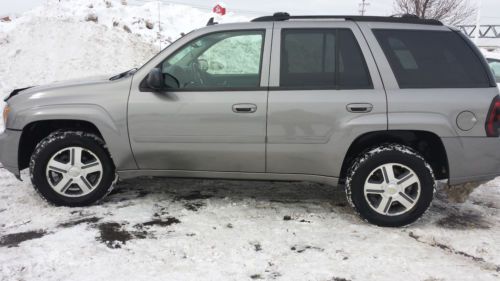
491 54
233 230
172 229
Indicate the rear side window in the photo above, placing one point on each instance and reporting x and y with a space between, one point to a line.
432 59
495 68
322 59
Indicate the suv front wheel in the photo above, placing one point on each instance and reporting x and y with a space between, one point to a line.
72 169
391 185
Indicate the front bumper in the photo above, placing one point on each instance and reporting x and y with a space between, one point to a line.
9 146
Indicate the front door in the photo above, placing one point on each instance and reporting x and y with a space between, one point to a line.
215 120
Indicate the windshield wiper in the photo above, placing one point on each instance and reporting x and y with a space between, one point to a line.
124 74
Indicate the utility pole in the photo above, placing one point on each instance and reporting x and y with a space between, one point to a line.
159 22
362 7
478 22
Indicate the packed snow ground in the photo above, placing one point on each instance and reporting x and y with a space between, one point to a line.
172 229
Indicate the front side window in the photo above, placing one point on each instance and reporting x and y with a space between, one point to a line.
218 60
322 58
431 59
495 68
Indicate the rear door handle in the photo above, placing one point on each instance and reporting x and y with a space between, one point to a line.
359 107
244 108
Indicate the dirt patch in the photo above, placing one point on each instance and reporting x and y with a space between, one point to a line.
195 195
194 206
14 239
480 261
289 218
460 193
113 235
80 221
464 221
491 205
158 222
142 193
257 246
163 211
301 249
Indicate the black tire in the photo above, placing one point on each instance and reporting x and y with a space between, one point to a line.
366 165
58 141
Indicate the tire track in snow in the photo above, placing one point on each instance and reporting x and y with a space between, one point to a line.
483 264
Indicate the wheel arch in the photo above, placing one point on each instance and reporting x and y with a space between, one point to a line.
428 144
34 132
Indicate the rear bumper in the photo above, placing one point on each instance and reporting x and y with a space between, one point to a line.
472 159
9 145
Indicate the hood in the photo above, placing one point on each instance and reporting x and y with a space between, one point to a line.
59 84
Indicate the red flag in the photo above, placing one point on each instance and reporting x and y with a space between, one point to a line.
218 9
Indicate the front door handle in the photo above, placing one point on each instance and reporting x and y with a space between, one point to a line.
359 107
244 108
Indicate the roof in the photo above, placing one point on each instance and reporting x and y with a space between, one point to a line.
281 16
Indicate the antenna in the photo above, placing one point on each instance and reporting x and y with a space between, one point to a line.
362 7
478 22
211 21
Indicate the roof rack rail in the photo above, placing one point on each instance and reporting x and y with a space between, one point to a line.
406 18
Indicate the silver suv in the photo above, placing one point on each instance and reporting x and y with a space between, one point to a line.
385 106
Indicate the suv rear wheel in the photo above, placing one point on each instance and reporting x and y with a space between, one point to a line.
390 185
72 169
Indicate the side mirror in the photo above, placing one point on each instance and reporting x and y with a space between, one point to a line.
155 79
170 81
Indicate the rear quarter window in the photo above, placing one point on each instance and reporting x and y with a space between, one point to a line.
432 59
495 68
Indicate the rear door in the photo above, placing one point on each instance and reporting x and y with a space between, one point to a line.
325 91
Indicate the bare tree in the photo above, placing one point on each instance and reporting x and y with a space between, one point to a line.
452 12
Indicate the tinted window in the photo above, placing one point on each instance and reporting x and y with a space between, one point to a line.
495 68
322 58
432 59
218 60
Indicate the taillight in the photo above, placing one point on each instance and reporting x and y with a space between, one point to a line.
493 118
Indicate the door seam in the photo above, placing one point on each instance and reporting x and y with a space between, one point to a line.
267 96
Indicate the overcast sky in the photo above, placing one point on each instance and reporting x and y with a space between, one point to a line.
490 10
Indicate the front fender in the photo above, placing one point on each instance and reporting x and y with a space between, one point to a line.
114 131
